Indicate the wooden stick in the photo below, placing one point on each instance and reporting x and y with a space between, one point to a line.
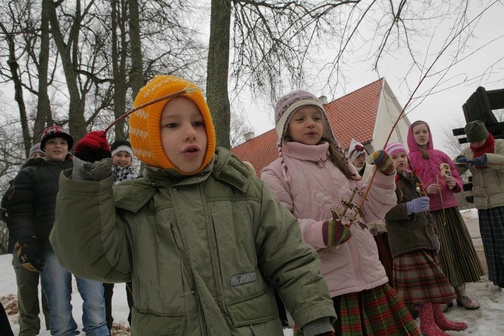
442 201
157 100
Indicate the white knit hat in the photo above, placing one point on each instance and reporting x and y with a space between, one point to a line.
285 109
355 149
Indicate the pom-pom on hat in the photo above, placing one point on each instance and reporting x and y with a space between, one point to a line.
36 149
55 132
355 149
121 146
145 131
476 131
395 147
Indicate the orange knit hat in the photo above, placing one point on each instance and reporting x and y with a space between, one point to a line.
145 130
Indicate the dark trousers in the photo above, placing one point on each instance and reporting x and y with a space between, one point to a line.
5 328
281 310
107 295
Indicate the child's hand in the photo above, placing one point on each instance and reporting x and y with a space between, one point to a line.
334 233
420 204
383 162
433 188
93 147
480 161
464 163
450 182
29 254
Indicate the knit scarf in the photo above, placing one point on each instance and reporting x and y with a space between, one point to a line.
123 173
488 147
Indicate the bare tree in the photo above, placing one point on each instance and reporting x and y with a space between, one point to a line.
276 44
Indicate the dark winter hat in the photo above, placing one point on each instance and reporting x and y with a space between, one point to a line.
476 131
55 132
36 149
121 146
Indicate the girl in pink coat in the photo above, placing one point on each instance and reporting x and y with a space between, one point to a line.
312 177
458 257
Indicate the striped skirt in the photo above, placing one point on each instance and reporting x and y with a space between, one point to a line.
419 279
458 257
491 224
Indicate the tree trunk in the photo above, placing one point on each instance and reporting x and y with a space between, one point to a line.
119 55
136 72
18 88
44 116
77 122
218 68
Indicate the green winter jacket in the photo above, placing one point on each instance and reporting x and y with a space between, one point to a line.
202 251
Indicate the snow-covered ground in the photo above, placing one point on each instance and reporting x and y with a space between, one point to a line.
488 320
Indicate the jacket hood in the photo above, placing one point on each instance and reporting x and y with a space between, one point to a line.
412 145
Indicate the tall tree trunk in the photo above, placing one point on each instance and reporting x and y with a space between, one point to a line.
136 72
68 53
119 51
44 116
218 68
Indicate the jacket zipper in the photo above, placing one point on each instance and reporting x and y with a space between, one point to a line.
351 246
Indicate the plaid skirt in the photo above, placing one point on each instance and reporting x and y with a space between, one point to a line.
458 258
375 312
491 224
418 278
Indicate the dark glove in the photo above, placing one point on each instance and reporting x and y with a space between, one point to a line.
480 161
29 254
463 159
334 232
420 204
93 147
383 162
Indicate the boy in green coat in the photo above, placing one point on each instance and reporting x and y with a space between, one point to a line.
203 241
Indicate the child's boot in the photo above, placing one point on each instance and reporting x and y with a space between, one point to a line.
463 300
428 326
443 323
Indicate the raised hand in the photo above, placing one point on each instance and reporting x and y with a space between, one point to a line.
93 147
383 162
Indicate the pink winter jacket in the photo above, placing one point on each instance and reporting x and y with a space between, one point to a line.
429 172
316 186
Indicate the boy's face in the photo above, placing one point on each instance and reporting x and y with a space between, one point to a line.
122 159
306 125
478 144
56 149
183 134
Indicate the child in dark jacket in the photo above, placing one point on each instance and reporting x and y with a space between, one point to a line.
414 243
